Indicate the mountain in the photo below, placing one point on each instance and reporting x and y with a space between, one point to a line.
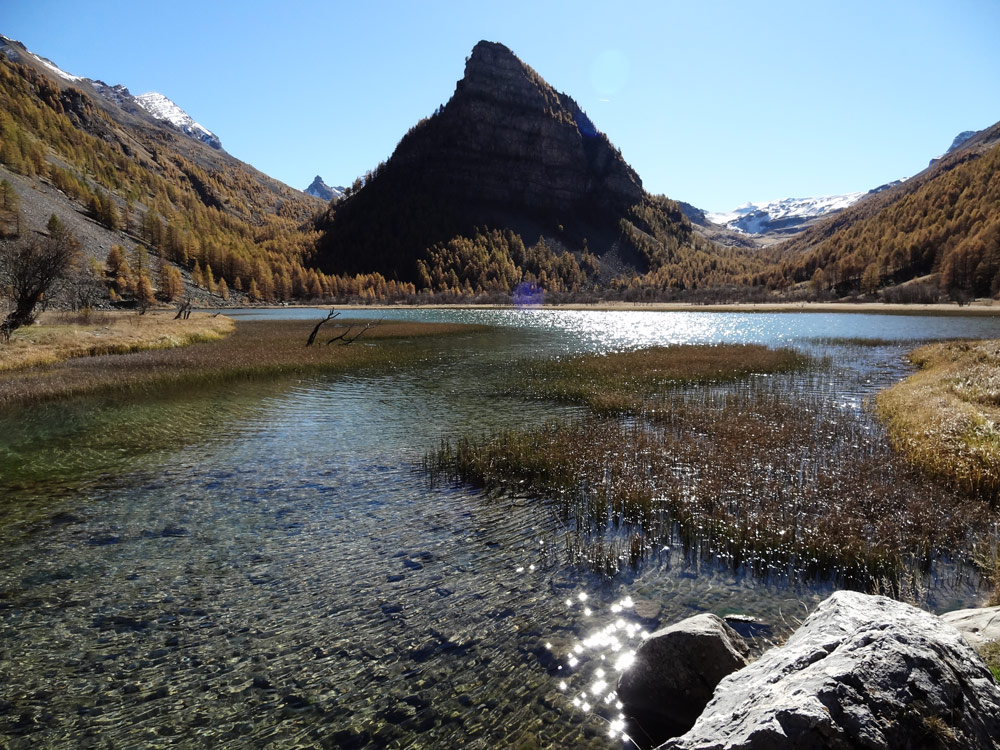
511 179
321 190
165 110
138 172
944 220
781 218
956 144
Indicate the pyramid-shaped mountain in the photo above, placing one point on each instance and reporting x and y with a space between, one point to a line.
507 152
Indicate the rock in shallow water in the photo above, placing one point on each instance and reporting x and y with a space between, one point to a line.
675 671
862 672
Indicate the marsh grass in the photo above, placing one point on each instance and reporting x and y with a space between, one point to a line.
620 382
255 350
748 475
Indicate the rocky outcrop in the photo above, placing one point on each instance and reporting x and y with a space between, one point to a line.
862 671
675 671
978 626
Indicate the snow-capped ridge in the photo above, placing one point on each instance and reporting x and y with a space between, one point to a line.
165 110
8 46
758 218
156 105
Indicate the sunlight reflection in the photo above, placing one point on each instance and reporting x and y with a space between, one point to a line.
597 659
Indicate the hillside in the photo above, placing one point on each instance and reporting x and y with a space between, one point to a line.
945 220
117 173
511 182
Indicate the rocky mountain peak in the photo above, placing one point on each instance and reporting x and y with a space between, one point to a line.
506 151
320 189
507 137
494 72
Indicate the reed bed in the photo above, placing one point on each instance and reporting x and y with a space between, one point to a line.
620 382
255 350
946 418
747 475
60 336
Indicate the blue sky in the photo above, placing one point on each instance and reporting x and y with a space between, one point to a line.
714 103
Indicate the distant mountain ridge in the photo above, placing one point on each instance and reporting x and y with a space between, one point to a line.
140 173
156 105
781 216
943 221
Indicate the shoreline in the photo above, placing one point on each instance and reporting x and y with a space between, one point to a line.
870 308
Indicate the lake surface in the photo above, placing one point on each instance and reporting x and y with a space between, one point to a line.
267 566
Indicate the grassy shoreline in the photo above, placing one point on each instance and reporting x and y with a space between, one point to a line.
870 308
945 419
62 335
254 350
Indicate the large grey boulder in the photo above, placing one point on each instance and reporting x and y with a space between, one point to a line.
674 673
979 626
862 672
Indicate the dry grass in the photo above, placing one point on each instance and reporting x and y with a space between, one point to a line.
946 418
62 336
256 349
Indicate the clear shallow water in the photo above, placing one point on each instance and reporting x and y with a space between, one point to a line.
270 568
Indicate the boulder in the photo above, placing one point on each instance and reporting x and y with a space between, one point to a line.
861 672
979 626
674 673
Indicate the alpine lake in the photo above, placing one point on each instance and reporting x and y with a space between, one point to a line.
268 565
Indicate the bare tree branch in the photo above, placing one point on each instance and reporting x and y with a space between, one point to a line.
329 316
346 337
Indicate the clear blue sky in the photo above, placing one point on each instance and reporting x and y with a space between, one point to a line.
714 103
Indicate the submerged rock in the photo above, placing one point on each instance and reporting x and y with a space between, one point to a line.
674 673
862 671
978 626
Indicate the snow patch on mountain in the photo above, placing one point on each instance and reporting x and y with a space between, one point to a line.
163 109
758 218
9 48
58 71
